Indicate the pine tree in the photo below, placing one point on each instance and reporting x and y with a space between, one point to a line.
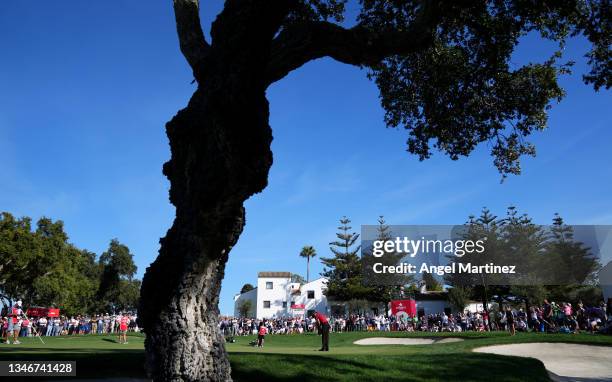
387 286
431 284
346 239
459 297
570 261
343 270
486 226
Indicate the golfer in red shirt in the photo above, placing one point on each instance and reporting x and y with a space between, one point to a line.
124 320
324 327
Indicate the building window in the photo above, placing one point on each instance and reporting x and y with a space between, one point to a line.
284 304
269 285
311 294
266 304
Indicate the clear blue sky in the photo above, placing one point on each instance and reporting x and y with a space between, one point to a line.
86 87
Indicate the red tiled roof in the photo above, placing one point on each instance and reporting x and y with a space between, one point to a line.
274 274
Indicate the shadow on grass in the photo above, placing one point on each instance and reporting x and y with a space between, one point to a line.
447 367
458 365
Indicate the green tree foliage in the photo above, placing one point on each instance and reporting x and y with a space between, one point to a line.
117 271
246 288
345 271
308 252
459 297
42 268
569 260
129 294
531 294
57 273
489 228
431 284
548 262
245 308
359 306
461 89
385 286
295 278
590 295
18 249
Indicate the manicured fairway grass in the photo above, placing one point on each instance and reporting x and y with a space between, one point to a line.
288 358
293 358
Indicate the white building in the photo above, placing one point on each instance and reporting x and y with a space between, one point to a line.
276 296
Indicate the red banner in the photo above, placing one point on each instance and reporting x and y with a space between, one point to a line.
52 312
42 312
407 306
298 306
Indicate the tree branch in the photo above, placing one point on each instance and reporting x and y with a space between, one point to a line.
302 42
191 38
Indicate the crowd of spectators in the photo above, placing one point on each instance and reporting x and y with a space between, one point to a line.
68 326
547 317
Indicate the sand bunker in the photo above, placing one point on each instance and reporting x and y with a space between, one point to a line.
404 341
448 340
564 362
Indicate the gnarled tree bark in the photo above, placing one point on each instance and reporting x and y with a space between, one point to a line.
220 145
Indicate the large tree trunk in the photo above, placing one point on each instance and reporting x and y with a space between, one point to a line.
220 156
220 146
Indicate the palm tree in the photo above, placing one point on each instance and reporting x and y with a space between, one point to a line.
308 251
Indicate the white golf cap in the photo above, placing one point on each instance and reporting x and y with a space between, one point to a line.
19 303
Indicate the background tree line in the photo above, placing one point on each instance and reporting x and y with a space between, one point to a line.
550 263
42 268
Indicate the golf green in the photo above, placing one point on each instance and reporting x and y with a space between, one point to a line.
295 357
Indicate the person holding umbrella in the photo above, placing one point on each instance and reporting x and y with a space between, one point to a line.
324 327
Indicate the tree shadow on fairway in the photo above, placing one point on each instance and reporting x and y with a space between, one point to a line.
426 367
